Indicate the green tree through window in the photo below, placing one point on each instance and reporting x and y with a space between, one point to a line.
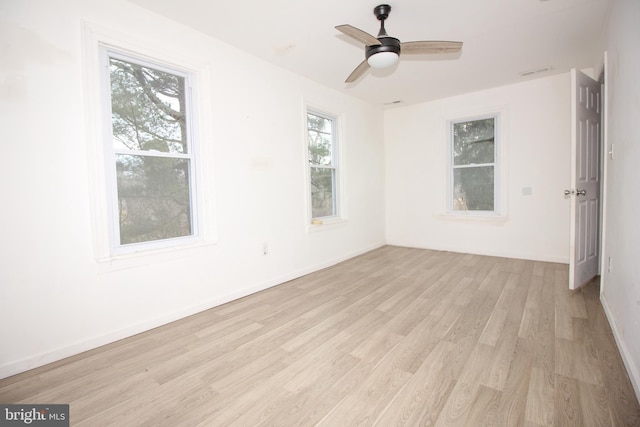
150 142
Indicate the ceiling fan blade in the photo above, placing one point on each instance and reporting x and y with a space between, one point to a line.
358 34
358 72
430 47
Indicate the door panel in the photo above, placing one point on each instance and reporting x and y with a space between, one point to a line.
585 171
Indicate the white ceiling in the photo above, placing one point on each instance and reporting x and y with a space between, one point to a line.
502 38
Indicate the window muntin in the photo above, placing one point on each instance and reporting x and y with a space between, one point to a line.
473 165
323 165
149 153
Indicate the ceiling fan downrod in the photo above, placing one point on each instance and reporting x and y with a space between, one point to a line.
382 13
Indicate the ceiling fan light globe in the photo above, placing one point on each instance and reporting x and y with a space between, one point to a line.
383 59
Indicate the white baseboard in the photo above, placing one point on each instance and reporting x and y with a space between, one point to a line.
55 355
632 370
501 254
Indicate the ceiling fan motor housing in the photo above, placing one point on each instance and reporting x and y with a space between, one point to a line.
387 44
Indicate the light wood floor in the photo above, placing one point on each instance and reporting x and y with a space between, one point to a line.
394 337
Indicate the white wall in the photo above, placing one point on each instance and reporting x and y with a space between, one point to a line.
56 299
620 291
536 155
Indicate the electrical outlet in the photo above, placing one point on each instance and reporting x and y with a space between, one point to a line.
265 248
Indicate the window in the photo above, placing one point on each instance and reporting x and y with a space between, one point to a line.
323 165
149 153
474 165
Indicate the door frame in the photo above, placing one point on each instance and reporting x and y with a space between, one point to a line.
605 156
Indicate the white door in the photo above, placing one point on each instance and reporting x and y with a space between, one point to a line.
584 260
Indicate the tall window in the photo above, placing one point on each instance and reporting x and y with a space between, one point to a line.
149 152
323 165
473 165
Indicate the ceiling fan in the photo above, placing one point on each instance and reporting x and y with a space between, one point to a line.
383 51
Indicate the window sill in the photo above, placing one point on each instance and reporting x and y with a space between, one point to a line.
117 262
324 224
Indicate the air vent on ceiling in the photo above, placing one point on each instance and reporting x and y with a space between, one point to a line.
535 71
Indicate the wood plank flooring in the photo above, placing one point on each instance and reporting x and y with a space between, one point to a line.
396 336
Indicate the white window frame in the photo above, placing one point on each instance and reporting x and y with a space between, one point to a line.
336 160
110 155
497 165
156 51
